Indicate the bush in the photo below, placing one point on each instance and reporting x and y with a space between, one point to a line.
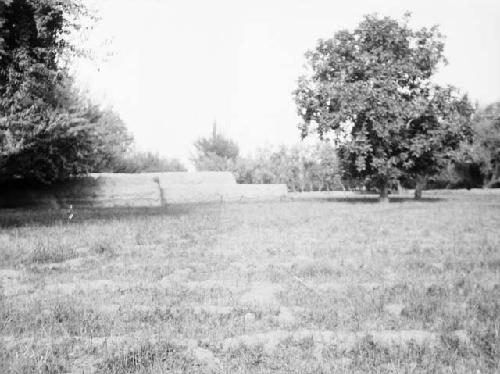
301 167
217 153
143 162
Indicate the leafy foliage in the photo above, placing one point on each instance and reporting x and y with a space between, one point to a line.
487 141
144 162
301 167
372 89
48 131
215 154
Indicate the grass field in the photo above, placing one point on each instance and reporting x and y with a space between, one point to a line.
281 287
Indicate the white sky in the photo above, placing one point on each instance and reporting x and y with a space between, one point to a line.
177 65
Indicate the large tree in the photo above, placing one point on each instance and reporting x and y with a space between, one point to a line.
372 88
48 130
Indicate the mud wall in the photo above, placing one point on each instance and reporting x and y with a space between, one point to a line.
182 193
135 190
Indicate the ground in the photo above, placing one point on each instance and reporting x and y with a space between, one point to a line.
306 286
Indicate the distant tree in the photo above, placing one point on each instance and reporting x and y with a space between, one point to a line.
301 167
486 147
143 162
48 130
263 169
282 166
327 167
243 170
372 88
216 153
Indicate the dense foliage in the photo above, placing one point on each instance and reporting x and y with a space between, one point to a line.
143 162
216 153
304 167
487 143
48 130
372 89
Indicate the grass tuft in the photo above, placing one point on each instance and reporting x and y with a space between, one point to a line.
48 251
148 358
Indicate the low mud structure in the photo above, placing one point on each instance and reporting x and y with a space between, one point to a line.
136 190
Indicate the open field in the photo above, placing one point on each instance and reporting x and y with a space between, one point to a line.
277 287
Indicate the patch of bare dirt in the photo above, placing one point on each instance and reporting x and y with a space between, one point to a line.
262 296
11 283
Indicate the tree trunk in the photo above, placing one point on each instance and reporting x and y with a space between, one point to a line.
419 186
495 175
401 190
384 194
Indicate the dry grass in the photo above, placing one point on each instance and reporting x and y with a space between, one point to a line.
285 287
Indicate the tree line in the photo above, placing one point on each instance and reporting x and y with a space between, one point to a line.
320 166
368 94
302 167
49 130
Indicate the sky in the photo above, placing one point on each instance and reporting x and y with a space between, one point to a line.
170 68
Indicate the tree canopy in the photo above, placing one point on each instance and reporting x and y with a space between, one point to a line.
487 142
302 167
143 162
216 153
371 88
48 130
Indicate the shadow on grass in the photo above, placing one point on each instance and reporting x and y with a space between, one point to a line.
397 199
369 199
48 217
